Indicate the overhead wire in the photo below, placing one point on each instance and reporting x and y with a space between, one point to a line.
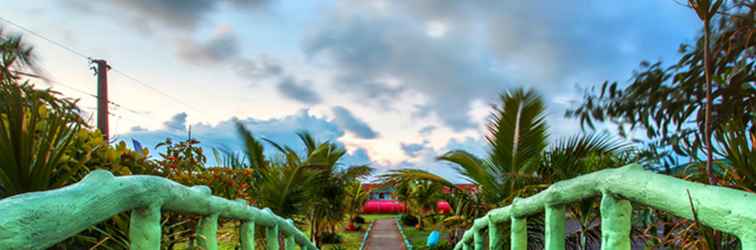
89 59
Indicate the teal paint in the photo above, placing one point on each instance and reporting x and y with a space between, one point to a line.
724 209
616 215
555 227
495 240
247 235
145 229
38 220
519 234
271 238
207 232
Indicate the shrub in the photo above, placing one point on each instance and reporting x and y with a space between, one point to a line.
408 220
330 238
358 220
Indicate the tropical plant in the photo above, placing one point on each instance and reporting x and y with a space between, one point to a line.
310 188
669 103
36 129
356 196
15 55
519 161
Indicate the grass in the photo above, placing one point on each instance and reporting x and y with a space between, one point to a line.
418 237
374 217
349 240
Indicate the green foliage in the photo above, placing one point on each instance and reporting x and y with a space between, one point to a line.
311 188
15 55
36 129
667 103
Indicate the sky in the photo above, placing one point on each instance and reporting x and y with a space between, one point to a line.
396 82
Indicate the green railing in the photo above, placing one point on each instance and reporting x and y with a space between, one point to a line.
727 210
39 220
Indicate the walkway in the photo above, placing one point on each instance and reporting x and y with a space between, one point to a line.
384 236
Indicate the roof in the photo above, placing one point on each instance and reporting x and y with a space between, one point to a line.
463 186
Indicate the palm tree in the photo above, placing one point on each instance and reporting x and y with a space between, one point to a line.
280 186
356 196
519 161
327 188
15 55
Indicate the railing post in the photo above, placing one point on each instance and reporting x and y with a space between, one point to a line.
519 236
465 245
494 236
615 222
748 243
271 238
207 232
555 230
477 239
247 235
290 243
144 228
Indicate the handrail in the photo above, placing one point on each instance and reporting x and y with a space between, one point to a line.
40 219
727 210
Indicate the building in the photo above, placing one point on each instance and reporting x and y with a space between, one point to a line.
383 201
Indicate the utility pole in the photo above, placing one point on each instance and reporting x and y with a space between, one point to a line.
102 97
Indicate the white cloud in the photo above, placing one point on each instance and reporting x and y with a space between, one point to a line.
436 29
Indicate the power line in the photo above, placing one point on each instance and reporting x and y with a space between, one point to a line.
140 82
88 58
69 86
61 45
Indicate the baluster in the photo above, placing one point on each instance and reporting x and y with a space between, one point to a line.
207 232
555 231
144 228
494 236
290 243
465 245
519 236
247 235
615 222
477 239
748 242
271 237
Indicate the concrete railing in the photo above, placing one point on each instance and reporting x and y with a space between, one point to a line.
39 220
724 209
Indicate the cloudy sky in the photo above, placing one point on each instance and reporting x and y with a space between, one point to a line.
396 82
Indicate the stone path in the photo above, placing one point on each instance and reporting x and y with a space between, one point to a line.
385 236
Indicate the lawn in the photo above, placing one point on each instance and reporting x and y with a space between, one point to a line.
374 217
418 237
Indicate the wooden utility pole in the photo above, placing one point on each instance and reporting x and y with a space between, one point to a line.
102 97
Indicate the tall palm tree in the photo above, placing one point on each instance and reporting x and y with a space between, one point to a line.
280 186
327 188
519 160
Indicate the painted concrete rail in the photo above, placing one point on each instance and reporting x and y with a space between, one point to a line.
40 219
728 210
385 236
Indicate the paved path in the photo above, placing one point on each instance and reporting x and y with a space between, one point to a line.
384 236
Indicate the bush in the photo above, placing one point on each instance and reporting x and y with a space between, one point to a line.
408 220
330 238
358 220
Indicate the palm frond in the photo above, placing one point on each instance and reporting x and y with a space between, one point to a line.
517 131
252 147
